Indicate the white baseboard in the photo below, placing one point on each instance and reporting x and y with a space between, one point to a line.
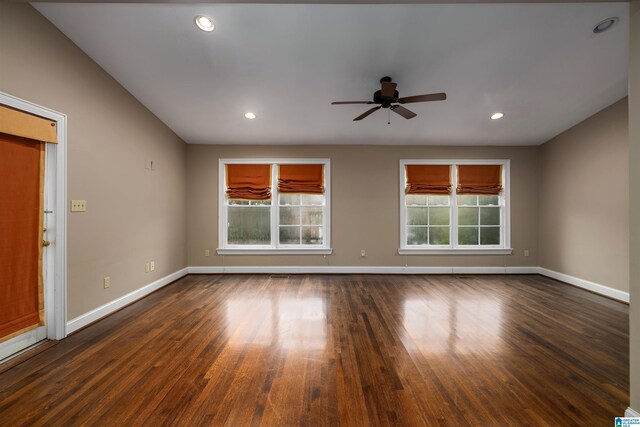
108 308
631 413
581 283
361 270
586 284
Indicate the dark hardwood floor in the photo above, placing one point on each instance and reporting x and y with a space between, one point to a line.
336 349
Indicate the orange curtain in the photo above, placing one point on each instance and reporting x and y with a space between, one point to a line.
249 182
479 179
21 216
19 123
428 179
305 179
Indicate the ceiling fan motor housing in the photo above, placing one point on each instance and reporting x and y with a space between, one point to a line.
385 101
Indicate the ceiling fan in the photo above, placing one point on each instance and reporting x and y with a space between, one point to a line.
388 97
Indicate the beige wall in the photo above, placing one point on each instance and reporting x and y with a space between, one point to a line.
133 215
634 191
584 200
365 204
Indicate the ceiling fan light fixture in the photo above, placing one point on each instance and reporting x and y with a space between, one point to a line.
249 115
496 116
204 23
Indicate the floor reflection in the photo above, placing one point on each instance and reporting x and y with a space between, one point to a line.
290 323
249 321
460 326
302 324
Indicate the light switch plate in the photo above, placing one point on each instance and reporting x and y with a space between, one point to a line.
78 205
107 282
147 267
206 252
152 265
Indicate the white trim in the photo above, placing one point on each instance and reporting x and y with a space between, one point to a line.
586 284
55 261
274 251
108 308
453 248
631 413
359 270
16 345
225 249
452 251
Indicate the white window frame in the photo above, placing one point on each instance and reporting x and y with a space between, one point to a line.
453 247
274 247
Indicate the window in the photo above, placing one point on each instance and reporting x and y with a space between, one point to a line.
274 206
454 206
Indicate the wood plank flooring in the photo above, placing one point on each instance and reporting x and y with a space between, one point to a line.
249 350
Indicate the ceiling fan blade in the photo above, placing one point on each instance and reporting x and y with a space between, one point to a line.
423 98
366 113
407 114
351 102
388 89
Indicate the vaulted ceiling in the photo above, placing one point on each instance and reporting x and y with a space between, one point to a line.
540 64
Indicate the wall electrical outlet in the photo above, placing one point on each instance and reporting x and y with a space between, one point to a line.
78 205
152 265
106 282
363 253
206 252
147 267
526 252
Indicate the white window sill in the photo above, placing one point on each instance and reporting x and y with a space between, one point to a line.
462 251
274 251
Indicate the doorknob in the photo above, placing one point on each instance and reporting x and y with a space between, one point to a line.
46 243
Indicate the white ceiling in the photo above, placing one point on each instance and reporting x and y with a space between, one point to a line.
538 63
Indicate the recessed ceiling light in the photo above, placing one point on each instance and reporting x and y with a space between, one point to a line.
496 116
250 115
605 25
204 23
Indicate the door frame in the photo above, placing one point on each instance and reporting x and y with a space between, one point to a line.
55 196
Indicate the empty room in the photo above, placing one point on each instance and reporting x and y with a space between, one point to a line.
306 212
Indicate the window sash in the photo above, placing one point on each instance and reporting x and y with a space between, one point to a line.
503 205
274 207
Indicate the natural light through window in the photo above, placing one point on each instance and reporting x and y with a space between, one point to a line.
454 206
274 206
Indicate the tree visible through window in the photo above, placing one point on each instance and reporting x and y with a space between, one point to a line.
294 215
457 219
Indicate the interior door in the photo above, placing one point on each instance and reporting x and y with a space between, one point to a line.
22 240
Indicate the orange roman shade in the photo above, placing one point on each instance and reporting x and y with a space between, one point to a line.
305 179
21 218
479 179
428 179
249 182
25 125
